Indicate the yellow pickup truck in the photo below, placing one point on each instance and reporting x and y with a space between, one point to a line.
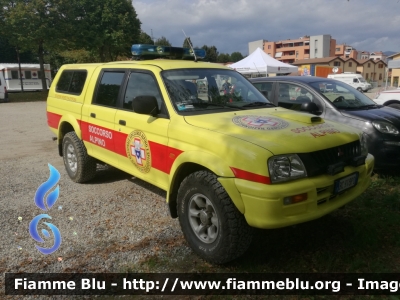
229 160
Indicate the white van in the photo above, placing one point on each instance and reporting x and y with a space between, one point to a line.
3 88
353 79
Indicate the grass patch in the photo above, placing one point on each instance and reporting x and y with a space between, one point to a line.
27 96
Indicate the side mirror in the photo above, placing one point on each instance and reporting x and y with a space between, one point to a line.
310 107
145 105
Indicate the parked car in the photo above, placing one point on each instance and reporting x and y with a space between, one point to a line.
389 98
337 101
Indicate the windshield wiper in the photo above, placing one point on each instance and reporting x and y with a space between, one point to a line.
206 104
370 106
258 103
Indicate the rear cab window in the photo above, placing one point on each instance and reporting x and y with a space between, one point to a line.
71 82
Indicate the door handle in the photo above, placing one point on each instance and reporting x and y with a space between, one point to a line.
122 122
93 115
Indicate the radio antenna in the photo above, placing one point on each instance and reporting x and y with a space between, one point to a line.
191 46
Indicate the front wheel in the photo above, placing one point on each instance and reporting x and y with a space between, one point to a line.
211 223
79 165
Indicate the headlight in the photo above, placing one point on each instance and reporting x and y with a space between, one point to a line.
363 143
286 167
385 127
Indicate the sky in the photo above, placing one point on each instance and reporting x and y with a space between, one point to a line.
229 25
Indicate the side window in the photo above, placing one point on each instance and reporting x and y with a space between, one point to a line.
14 75
71 82
28 75
141 84
264 87
292 96
108 89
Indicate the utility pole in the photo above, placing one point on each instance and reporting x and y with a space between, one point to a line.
20 71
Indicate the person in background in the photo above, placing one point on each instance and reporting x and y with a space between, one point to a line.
226 87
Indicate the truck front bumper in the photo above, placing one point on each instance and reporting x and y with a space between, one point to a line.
263 205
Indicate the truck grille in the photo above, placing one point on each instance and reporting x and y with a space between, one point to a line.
317 162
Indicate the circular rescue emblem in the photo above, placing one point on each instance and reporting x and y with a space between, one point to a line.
138 151
260 123
160 49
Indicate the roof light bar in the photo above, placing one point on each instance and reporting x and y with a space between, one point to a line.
144 51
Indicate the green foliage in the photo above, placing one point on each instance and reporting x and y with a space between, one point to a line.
8 53
236 56
187 42
107 28
162 41
211 53
224 58
27 96
144 38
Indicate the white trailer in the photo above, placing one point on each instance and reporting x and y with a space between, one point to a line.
30 74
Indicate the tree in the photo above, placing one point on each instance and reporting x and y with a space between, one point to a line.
8 53
108 27
211 53
35 25
187 43
224 58
144 38
162 41
236 56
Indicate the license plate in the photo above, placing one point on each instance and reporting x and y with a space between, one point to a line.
345 183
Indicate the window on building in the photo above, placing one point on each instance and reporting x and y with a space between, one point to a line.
269 46
380 76
337 49
366 76
350 64
380 66
14 75
28 75
316 50
336 63
369 65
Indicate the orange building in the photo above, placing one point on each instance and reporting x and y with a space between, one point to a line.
291 50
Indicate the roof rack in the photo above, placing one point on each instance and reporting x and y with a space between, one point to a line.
144 51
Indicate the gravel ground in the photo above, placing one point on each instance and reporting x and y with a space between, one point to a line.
107 225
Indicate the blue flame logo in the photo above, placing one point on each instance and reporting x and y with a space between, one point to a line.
40 199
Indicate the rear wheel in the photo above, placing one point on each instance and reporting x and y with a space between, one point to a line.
211 223
395 105
359 89
79 165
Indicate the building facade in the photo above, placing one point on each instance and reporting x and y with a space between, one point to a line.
291 50
394 68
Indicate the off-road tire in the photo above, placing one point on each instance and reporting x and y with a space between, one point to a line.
79 165
233 235
394 105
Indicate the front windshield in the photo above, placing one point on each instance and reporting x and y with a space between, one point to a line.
341 95
211 90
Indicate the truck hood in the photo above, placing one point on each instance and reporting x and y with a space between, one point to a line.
278 130
376 114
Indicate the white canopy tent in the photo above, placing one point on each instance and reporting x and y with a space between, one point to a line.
260 62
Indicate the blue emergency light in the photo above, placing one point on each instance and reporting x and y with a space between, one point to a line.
144 51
